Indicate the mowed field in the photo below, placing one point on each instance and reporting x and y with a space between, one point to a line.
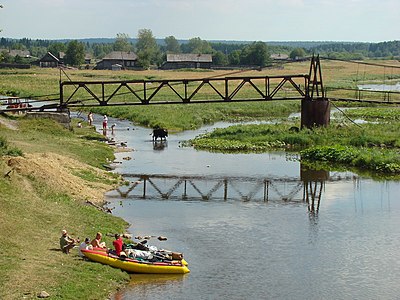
43 81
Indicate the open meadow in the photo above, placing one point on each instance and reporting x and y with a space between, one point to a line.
41 83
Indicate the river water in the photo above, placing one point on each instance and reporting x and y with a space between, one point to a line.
381 87
256 226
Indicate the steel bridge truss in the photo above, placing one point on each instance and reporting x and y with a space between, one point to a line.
173 91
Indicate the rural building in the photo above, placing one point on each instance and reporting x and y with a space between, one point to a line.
188 60
127 60
14 53
88 59
279 56
51 61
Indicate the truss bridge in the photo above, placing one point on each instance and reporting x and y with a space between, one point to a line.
308 88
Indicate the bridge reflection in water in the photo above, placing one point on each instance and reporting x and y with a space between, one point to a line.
308 188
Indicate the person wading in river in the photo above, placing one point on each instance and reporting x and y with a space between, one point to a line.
90 118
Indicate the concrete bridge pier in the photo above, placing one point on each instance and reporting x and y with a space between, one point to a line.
315 113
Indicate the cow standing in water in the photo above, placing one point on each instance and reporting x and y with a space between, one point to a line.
160 133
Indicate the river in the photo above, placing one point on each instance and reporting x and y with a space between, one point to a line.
246 228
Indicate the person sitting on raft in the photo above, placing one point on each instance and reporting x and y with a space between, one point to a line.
118 243
66 242
97 243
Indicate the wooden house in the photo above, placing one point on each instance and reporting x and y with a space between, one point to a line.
187 60
127 60
50 61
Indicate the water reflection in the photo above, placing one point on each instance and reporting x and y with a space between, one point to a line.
380 87
308 188
159 145
152 282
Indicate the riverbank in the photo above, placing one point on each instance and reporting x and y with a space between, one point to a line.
47 190
372 145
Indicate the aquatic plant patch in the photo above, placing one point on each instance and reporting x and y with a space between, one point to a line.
384 161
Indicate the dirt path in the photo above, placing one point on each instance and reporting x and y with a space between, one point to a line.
10 124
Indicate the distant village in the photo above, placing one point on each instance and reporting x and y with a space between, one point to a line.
169 54
144 52
117 60
123 60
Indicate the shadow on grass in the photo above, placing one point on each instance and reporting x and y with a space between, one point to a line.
94 138
55 249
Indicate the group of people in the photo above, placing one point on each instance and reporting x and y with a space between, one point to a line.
104 124
134 250
67 243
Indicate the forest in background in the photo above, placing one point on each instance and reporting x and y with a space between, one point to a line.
225 53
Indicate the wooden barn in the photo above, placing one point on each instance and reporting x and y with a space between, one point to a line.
50 61
127 60
188 60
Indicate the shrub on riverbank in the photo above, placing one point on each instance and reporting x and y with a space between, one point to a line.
382 161
6 150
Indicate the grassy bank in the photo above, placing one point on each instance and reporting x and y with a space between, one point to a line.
42 192
372 146
189 117
375 160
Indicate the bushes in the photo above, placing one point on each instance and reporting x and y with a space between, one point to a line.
372 159
6 150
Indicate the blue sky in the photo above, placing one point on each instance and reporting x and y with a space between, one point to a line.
250 20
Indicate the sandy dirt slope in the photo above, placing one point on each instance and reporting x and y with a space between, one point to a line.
61 173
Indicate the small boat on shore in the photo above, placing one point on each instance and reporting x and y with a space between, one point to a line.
132 265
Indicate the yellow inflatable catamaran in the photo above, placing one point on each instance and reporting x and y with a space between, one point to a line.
137 266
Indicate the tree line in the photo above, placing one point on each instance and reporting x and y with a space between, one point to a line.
151 51
390 50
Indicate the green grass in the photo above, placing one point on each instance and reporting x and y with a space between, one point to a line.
375 160
187 117
72 143
380 114
373 146
30 260
270 136
90 176
33 211
6 150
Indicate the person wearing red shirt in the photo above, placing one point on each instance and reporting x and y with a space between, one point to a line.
118 244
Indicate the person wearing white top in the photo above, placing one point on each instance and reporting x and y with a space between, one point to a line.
84 246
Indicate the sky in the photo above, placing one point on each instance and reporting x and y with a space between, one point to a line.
232 20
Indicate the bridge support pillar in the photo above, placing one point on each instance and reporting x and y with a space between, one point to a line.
315 108
315 113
